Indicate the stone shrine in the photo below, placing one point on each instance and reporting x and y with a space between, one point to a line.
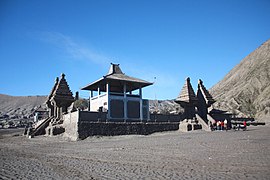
187 100
196 113
205 100
60 98
57 102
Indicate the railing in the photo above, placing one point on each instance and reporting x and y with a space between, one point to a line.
122 94
115 94
99 96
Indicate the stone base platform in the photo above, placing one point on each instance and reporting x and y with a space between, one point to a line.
189 125
85 129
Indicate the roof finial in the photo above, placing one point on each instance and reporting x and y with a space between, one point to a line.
115 69
63 75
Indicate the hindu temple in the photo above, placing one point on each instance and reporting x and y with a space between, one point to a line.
116 107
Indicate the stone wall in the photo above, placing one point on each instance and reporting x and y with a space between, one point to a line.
93 116
71 125
86 128
166 118
78 127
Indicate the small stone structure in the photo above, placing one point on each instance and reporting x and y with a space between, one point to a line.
205 100
196 107
57 102
188 100
60 98
189 125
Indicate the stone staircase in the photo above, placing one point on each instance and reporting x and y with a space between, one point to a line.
40 127
210 118
203 123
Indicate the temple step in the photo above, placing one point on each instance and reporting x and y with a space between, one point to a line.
203 123
40 130
210 118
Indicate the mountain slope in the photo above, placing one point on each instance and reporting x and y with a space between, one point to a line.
19 106
164 107
245 90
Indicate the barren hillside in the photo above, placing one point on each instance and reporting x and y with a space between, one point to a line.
164 107
19 106
245 90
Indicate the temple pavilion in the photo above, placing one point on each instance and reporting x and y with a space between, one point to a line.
119 95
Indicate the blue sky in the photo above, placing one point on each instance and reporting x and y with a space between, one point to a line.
169 40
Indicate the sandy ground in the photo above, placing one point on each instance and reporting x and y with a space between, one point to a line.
171 155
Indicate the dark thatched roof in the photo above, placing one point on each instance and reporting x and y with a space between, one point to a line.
116 79
207 96
60 90
187 94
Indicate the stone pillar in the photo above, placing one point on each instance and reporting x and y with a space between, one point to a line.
55 110
125 102
77 95
59 112
141 104
89 103
109 103
98 90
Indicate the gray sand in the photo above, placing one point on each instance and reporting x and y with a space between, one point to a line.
171 155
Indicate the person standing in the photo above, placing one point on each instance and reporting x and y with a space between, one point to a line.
245 125
222 125
218 125
226 124
215 125
211 126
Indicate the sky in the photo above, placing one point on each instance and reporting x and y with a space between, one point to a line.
161 41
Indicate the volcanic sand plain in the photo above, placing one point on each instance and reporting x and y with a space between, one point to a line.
168 155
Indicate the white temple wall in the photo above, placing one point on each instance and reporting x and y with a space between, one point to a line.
99 101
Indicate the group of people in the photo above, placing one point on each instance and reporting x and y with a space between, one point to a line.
219 125
241 126
223 125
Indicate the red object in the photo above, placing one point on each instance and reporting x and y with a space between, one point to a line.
222 124
245 123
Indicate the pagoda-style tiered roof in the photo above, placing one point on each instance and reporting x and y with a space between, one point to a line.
207 96
53 89
117 78
187 94
61 91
